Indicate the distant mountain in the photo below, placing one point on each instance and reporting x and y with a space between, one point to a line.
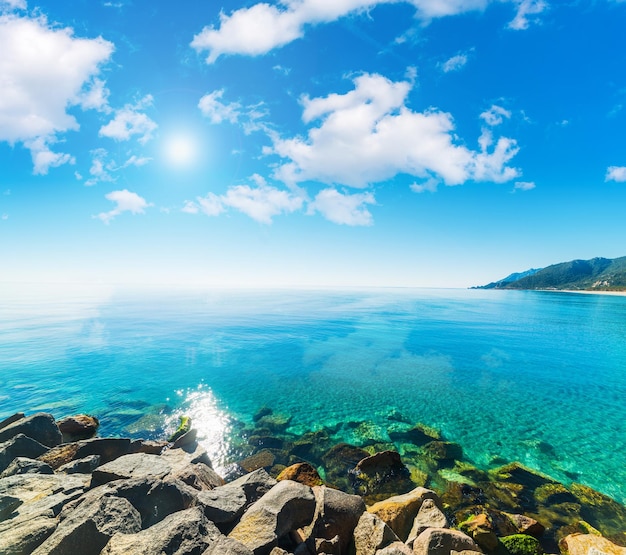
597 274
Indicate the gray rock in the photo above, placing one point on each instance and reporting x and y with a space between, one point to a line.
199 476
8 503
441 541
186 532
147 446
188 438
255 484
372 534
19 446
286 507
223 505
429 516
138 465
228 546
25 536
90 526
188 454
24 465
41 427
10 419
81 466
109 448
396 548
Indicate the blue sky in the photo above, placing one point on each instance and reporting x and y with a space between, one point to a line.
309 142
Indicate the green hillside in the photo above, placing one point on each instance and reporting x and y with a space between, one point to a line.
597 274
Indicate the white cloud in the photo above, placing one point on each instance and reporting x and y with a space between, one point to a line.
616 173
260 28
96 97
136 161
369 135
125 201
429 185
495 115
342 208
13 4
524 185
43 72
217 112
261 203
130 121
527 8
455 63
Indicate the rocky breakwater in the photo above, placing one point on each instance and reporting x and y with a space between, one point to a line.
64 493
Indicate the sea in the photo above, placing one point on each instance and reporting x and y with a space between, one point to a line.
531 376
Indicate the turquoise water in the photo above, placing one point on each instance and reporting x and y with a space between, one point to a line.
537 377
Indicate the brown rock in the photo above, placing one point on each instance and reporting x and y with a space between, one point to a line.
372 534
262 459
81 426
301 472
586 544
481 529
429 516
441 541
523 524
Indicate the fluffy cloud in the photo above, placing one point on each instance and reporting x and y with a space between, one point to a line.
526 8
43 72
125 201
342 208
495 115
369 135
616 173
262 27
130 121
213 108
261 203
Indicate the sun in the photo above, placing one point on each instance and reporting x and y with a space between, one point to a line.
180 150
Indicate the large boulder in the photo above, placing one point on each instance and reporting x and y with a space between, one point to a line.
372 534
482 530
81 466
24 465
19 446
10 419
80 426
138 465
186 532
382 472
428 516
441 541
285 508
41 427
587 544
223 505
89 527
399 511
254 485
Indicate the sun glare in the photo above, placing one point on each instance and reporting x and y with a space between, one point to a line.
180 150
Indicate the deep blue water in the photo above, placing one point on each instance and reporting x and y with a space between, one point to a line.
537 377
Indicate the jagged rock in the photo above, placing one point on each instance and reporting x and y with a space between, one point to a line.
301 472
223 505
60 455
153 498
286 507
199 476
10 419
24 465
147 446
188 438
522 524
428 516
399 511
24 536
41 427
19 446
382 472
228 546
396 548
254 485
186 532
588 544
481 529
372 534
138 465
441 541
521 544
339 515
81 466
88 528
80 426
188 454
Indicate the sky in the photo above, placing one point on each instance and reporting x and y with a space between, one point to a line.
406 143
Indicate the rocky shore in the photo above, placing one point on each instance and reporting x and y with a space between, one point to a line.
63 490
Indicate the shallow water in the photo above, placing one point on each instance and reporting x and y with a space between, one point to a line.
531 376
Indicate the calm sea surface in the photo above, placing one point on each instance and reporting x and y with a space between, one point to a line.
531 376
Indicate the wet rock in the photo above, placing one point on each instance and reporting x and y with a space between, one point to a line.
441 541
263 411
553 494
339 462
188 438
521 544
19 446
588 544
601 511
125 467
274 422
399 511
184 426
286 507
517 473
266 441
417 435
443 451
428 516
81 466
186 532
523 524
372 534
89 527
24 465
301 472
312 446
262 459
41 427
482 530
80 426
382 472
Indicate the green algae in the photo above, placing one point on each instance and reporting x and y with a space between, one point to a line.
521 544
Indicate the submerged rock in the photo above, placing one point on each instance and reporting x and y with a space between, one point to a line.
521 544
301 472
